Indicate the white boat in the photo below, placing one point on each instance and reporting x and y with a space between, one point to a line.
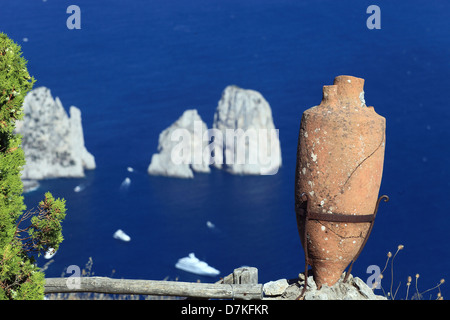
50 253
194 265
79 188
120 235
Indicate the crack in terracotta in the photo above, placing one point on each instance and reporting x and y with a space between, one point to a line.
359 165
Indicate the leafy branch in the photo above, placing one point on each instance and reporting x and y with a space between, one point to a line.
44 230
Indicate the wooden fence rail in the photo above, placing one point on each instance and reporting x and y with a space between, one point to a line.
242 284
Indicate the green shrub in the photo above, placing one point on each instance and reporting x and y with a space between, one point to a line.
22 234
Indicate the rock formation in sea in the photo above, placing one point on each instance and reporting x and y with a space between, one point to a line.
243 139
180 148
52 141
248 139
30 185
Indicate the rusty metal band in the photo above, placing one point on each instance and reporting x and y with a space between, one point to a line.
307 215
337 217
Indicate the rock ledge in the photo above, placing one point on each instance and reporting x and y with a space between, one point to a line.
353 289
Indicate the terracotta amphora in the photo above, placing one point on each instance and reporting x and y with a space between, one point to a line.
338 175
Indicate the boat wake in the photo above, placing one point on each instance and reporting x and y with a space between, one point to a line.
125 184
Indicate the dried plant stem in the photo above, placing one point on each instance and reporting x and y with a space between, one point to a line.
400 247
408 284
389 255
417 288
435 287
418 295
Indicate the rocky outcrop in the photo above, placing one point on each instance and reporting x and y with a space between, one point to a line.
243 139
52 141
30 185
248 138
180 148
353 289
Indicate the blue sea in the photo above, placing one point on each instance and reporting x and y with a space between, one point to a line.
135 66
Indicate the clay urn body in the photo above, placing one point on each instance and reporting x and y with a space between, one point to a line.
340 159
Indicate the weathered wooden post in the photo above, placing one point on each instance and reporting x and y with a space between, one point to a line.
338 175
242 275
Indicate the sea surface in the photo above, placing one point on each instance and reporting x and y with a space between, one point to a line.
135 66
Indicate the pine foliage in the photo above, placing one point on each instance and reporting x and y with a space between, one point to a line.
23 235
